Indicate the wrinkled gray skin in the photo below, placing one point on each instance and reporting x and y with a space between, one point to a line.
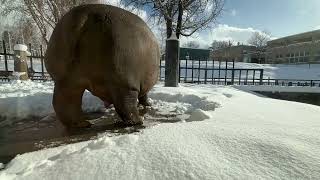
106 50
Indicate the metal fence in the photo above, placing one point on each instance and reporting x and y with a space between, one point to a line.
36 68
223 72
200 71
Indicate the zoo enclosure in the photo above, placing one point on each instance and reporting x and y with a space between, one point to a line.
192 70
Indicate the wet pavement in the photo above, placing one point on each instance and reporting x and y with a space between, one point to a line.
38 133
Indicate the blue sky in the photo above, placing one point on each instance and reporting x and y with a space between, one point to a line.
279 17
242 18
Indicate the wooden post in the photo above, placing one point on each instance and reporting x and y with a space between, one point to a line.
20 62
172 62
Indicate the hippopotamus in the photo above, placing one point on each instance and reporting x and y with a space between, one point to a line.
108 51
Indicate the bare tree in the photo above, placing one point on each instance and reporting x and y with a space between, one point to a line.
45 14
191 44
259 40
220 44
184 17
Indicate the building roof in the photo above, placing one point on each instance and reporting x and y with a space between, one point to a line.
301 37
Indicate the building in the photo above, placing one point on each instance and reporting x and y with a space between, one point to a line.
191 54
299 48
194 54
239 53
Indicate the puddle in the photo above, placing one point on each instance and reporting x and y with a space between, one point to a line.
34 134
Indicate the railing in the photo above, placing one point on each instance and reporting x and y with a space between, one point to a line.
215 72
36 68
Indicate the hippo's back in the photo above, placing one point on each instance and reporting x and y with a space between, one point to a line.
102 41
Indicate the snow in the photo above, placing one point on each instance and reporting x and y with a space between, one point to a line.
20 47
24 99
265 88
198 115
227 134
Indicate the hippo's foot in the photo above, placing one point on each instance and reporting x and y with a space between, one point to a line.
143 100
126 107
81 124
67 101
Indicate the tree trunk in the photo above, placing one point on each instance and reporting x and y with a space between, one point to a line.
169 28
179 20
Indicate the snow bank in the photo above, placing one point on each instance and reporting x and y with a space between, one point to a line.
246 137
25 99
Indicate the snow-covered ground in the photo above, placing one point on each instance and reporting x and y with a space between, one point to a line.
226 134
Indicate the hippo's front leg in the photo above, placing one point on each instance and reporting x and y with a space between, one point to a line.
126 106
67 102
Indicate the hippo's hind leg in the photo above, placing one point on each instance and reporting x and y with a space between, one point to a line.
126 106
143 100
67 101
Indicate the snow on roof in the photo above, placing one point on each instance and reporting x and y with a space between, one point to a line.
244 136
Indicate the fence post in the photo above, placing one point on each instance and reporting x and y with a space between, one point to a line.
232 73
219 71
31 62
246 82
192 60
199 71
172 62
212 72
160 69
261 77
5 55
254 77
205 72
240 77
186 71
42 65
20 62
226 72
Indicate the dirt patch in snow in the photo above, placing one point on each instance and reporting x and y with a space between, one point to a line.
34 134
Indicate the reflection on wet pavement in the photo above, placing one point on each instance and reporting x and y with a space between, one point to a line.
34 134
